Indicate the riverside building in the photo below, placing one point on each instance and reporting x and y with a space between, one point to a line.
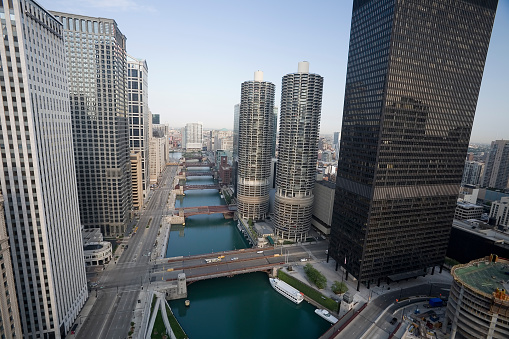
38 179
137 87
478 306
97 69
192 136
301 103
255 140
414 73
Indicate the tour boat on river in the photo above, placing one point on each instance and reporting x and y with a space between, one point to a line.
288 291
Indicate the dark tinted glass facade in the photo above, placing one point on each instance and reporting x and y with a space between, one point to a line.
414 72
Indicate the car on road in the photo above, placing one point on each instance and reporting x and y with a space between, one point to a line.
393 321
259 252
235 258
304 259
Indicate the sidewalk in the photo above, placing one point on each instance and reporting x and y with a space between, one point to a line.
85 311
328 270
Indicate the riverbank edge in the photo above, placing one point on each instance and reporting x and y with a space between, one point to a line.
319 300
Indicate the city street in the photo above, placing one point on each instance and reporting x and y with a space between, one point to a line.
119 285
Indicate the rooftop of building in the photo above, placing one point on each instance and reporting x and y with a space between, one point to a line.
483 275
327 184
467 205
478 227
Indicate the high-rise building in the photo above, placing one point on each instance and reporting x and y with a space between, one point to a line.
301 105
9 312
159 154
255 139
38 179
97 70
274 131
192 138
137 180
137 87
156 119
413 78
235 160
336 138
236 114
472 173
496 174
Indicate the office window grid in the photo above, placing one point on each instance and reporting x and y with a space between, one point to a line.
255 139
414 73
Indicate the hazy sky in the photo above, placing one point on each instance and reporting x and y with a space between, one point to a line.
199 52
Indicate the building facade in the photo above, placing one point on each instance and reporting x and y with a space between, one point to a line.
274 131
301 105
137 180
236 115
192 138
10 324
255 139
97 70
410 98
323 206
472 173
158 157
496 174
137 88
466 211
500 212
38 172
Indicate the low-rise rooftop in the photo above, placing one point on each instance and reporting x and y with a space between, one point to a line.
484 276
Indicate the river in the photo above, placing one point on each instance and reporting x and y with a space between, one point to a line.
244 306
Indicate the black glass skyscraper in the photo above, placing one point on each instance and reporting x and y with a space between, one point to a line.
413 78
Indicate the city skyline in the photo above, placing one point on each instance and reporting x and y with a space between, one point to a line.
207 43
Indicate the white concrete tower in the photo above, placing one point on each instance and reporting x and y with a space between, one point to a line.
301 101
255 140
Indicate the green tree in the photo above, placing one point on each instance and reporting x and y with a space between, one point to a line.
315 276
339 287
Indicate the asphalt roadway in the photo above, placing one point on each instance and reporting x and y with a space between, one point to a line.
372 322
119 285
236 260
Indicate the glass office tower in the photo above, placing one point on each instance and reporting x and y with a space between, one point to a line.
414 72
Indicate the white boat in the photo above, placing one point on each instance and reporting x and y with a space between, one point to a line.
326 315
288 291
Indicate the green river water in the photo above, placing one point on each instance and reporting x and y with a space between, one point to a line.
244 306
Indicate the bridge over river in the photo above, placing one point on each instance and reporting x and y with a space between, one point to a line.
198 187
221 264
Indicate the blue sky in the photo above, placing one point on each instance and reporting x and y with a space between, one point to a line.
199 52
